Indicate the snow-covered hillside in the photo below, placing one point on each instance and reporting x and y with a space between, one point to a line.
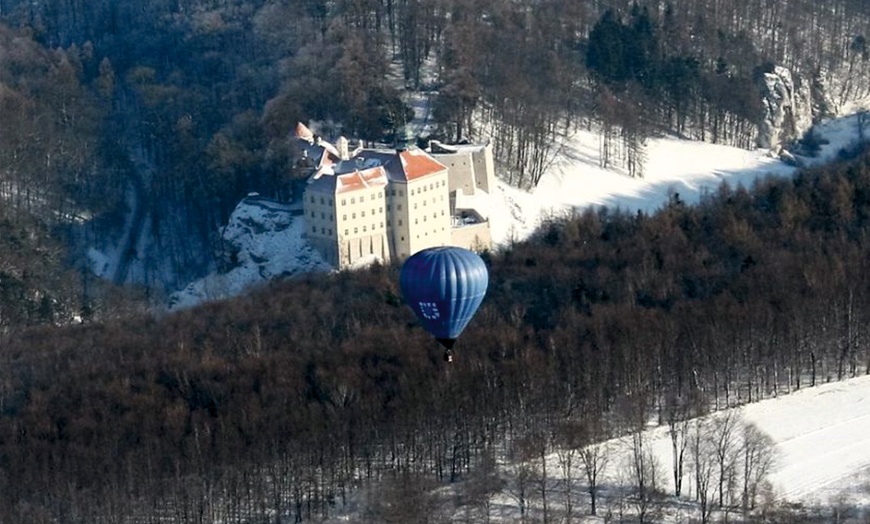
268 239
685 167
821 450
263 240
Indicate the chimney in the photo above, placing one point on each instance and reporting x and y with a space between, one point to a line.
303 133
342 147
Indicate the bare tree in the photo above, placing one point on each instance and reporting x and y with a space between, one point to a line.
725 445
404 498
703 464
758 454
595 458
645 476
483 482
571 437
861 120
676 415
521 486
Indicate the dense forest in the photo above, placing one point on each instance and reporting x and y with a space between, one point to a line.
122 121
280 404
153 119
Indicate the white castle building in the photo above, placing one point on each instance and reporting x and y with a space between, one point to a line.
390 204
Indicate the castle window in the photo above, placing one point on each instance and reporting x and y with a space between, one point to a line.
353 200
401 192
400 221
362 213
355 230
373 210
399 207
330 202
344 217
347 231
430 186
322 216
416 221
415 206
314 229
353 215
312 200
344 201
364 229
329 232
380 210
312 214
321 201
323 231
392 192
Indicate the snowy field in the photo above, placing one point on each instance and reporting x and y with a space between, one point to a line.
821 440
674 166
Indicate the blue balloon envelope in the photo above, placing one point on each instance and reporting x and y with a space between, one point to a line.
444 286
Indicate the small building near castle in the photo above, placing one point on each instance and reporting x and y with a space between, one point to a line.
380 204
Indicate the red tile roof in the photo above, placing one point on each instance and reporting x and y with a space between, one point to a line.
417 163
356 180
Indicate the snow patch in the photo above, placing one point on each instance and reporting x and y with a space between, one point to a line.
263 240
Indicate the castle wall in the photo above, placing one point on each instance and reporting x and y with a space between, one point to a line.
474 236
398 220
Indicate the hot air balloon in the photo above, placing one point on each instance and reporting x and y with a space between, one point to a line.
444 286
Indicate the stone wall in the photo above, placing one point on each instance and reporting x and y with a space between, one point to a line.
475 237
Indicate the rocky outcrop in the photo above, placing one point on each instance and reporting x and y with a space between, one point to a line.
262 241
788 111
823 102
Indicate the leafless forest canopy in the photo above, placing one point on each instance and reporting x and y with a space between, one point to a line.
281 403
287 400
